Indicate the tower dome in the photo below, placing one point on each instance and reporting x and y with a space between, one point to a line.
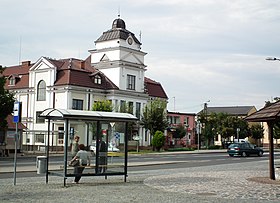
118 23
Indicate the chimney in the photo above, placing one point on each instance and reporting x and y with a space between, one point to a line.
26 63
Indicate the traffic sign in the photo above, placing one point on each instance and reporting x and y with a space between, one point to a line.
117 135
17 112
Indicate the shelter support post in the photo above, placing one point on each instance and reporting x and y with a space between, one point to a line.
271 151
125 151
65 150
48 149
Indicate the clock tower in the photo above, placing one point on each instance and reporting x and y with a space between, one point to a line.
118 55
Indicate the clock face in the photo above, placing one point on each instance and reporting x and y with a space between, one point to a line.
129 40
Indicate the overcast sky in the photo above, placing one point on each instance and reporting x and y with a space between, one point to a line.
199 50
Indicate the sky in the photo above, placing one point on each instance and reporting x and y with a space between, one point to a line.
201 51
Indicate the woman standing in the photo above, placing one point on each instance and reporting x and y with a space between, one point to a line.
84 160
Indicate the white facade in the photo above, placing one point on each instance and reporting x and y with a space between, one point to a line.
120 60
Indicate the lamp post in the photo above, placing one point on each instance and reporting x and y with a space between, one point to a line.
206 119
237 132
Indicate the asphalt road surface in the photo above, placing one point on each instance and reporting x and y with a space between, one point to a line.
145 162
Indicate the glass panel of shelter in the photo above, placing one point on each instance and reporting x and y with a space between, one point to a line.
105 147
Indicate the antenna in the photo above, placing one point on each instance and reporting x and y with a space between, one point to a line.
140 36
19 55
119 12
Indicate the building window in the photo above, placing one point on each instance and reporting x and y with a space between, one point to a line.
39 119
186 121
130 82
138 110
97 79
12 81
130 107
176 120
123 106
41 91
39 138
60 132
77 104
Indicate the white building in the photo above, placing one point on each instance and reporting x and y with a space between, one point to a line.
114 71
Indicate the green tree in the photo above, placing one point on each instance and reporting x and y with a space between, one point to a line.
180 131
256 132
103 105
223 124
154 116
6 101
158 140
276 130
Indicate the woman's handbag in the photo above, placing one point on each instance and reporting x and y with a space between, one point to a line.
74 163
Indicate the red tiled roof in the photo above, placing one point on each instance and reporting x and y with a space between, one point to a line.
12 125
154 88
78 73
22 71
69 72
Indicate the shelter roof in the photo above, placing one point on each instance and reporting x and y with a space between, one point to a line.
60 114
268 113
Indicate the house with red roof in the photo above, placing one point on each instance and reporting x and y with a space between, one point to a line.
185 120
115 71
7 137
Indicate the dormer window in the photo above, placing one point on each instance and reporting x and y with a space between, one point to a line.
97 80
12 81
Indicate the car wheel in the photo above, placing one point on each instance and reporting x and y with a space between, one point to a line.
243 154
260 153
231 155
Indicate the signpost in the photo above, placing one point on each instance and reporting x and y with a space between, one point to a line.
16 119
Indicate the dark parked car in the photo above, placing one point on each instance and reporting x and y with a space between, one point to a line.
244 149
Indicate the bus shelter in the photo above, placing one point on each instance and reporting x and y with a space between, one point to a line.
269 114
112 164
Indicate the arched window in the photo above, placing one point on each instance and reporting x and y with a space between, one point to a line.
41 91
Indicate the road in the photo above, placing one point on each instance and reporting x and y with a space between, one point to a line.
143 162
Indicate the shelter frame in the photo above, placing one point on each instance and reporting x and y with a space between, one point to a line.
52 114
269 114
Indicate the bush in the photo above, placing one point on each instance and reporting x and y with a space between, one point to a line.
180 149
158 140
214 147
